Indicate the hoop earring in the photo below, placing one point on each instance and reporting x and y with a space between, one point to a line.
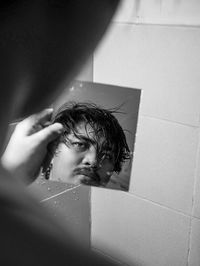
48 171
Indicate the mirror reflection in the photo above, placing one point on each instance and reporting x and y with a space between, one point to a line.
97 143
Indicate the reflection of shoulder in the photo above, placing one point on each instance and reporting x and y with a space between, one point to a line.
120 181
114 183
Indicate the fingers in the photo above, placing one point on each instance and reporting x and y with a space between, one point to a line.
49 133
36 122
44 116
46 137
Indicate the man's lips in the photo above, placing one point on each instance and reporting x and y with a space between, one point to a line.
90 175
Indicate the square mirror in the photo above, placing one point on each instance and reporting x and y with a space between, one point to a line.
97 145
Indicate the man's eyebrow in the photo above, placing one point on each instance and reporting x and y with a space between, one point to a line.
106 147
85 138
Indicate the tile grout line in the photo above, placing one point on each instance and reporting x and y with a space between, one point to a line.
170 121
66 190
196 173
193 199
155 24
133 194
196 217
189 242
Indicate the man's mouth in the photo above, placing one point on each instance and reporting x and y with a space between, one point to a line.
90 177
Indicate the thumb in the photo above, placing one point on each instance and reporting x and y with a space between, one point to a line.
49 133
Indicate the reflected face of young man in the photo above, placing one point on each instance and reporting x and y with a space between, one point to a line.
79 161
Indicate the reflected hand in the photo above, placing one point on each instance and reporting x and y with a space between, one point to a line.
27 147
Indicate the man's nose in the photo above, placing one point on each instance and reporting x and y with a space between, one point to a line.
90 157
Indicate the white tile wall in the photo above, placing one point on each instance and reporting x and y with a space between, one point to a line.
194 258
138 232
148 225
181 12
150 11
164 163
163 61
171 12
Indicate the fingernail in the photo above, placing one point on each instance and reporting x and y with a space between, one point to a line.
49 110
60 127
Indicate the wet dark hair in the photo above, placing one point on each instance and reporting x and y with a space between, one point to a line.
102 121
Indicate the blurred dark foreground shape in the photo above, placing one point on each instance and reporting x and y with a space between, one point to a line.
43 44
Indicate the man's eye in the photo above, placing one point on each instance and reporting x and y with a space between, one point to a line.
80 145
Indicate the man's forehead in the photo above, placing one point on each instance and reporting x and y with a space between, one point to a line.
89 132
86 130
